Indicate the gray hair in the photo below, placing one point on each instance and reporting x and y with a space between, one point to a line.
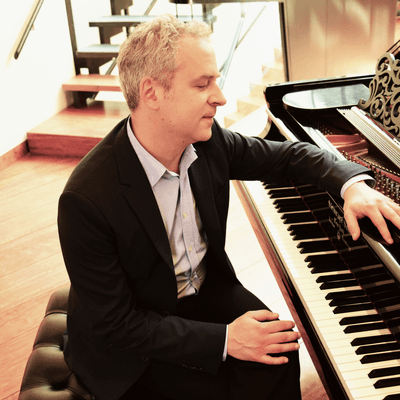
151 50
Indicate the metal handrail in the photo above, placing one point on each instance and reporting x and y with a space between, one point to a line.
28 28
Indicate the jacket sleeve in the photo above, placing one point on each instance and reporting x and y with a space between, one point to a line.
254 158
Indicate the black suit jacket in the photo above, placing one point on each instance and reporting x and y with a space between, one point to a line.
123 287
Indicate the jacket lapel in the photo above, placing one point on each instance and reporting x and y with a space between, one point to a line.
201 184
140 195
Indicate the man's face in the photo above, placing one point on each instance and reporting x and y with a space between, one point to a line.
187 110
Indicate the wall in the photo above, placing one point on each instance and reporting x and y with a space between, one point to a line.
31 85
328 38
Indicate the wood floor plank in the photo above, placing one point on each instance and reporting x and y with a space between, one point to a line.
14 355
35 167
27 283
31 200
28 223
29 249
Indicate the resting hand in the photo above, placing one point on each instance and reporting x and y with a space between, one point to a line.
250 339
362 201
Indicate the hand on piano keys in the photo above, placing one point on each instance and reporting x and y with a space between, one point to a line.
256 335
362 201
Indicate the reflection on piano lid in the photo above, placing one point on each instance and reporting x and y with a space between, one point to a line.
344 295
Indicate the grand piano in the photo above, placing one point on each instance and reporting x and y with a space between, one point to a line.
344 295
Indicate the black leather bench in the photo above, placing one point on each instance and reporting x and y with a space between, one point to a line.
47 376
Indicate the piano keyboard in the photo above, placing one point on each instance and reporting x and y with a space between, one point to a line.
340 288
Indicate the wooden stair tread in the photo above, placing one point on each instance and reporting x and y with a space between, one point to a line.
121 21
99 51
74 131
93 83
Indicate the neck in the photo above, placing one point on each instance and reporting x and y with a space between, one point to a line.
159 145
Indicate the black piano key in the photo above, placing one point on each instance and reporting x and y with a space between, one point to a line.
290 207
380 288
387 302
270 186
343 301
388 315
393 323
298 217
374 279
292 200
378 348
282 193
392 397
372 358
363 254
380 372
353 308
316 234
320 259
311 191
339 284
384 295
366 340
335 277
329 268
364 327
349 300
360 319
334 265
344 294
389 382
315 246
355 265
366 271
323 214
309 231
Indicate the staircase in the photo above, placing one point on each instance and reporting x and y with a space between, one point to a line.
96 55
271 73
65 134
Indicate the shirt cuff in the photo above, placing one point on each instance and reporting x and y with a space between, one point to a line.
357 178
226 345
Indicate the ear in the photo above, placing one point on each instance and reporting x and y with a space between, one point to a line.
149 92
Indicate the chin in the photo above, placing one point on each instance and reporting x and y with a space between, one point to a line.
204 136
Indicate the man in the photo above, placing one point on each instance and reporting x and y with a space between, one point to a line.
154 299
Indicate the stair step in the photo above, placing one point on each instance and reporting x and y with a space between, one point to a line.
126 21
93 83
250 103
66 134
99 51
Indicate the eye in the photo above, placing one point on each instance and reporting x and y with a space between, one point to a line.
204 86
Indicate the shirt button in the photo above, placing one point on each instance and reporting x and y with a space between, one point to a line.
184 215
190 248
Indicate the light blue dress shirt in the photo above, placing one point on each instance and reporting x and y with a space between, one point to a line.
178 209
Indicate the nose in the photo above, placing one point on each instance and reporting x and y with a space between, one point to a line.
217 98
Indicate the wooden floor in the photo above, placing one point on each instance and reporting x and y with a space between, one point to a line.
31 265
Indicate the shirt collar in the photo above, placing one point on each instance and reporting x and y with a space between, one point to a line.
153 168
